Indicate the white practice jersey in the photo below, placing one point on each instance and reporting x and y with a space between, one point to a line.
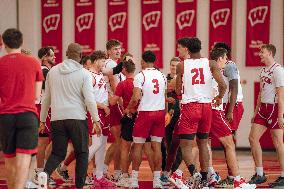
120 77
100 88
271 78
152 82
231 72
197 81
216 93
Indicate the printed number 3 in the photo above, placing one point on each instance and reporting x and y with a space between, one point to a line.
156 86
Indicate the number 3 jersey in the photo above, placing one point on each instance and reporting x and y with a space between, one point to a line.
197 81
100 88
152 82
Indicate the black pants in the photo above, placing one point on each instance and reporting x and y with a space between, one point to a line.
77 132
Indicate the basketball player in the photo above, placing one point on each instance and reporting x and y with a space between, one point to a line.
221 129
194 75
268 113
114 54
47 57
124 91
20 80
150 120
232 100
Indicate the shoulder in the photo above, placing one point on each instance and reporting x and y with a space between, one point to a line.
278 69
110 63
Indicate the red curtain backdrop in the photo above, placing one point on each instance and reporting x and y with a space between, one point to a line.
84 24
118 21
152 35
185 18
51 26
258 24
220 22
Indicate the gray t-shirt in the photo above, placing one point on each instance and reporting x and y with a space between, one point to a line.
231 71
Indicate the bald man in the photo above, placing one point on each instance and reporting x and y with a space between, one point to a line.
69 93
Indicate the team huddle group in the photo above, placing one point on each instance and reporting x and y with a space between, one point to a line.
85 99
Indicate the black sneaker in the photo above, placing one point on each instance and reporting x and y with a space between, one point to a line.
63 174
277 182
256 179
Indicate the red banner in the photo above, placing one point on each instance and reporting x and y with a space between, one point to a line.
51 26
258 24
220 27
152 35
84 24
185 18
118 21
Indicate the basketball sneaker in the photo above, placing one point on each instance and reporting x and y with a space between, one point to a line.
63 174
243 185
103 183
123 182
256 179
133 183
157 183
42 180
277 183
177 180
214 179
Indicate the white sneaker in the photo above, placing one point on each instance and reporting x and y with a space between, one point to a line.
123 182
157 183
89 180
134 183
42 180
30 184
242 184
176 179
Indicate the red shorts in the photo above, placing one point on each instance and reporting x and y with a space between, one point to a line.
267 116
115 115
219 126
195 118
149 123
104 120
237 115
47 130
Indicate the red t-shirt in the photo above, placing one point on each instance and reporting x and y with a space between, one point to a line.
124 90
18 75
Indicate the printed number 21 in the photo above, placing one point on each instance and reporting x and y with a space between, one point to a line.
156 86
198 77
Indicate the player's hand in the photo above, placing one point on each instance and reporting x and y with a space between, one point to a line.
229 116
217 101
170 100
106 110
41 127
281 122
252 119
97 128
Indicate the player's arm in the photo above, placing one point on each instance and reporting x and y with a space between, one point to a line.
46 101
217 75
231 72
280 93
113 82
180 70
279 83
136 96
103 107
113 100
38 86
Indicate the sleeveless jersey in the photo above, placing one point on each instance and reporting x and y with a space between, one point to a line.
197 81
120 77
100 88
152 82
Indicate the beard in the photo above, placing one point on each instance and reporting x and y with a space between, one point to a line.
51 62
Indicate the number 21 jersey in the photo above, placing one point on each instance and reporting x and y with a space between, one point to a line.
152 82
197 81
